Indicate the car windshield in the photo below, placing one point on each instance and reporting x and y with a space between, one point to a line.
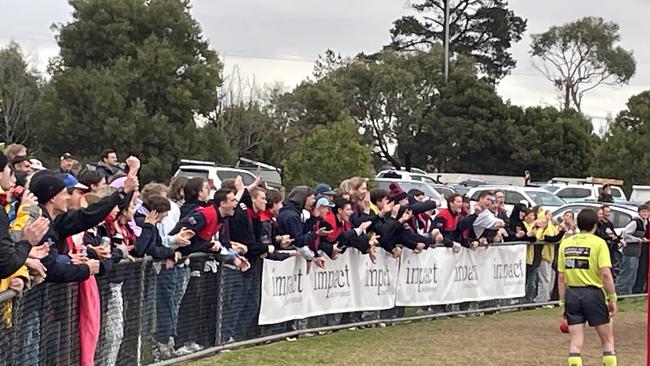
551 188
542 198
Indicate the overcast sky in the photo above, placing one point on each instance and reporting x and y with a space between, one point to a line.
278 40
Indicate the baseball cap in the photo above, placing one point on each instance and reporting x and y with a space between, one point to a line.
71 182
37 164
323 201
66 156
323 189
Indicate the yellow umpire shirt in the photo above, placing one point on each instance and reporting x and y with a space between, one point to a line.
581 257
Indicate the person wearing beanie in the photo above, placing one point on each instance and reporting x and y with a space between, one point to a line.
397 194
52 195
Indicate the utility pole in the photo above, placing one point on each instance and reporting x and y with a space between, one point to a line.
446 40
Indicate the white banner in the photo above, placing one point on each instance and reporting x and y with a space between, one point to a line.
440 276
353 283
349 283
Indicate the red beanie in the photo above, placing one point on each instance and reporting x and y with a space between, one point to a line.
396 193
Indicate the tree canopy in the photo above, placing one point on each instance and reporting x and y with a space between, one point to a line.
132 75
580 56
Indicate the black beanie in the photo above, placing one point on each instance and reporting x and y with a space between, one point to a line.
46 187
3 161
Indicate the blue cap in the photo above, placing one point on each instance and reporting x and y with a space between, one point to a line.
323 201
72 182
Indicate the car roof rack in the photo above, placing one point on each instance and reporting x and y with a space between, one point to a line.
197 162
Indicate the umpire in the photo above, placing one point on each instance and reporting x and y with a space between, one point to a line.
584 280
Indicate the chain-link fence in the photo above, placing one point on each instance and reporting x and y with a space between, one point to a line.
145 312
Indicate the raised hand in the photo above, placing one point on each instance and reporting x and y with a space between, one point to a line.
152 218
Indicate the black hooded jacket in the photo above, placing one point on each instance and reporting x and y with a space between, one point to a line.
290 218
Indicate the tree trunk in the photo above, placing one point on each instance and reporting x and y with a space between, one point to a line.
567 95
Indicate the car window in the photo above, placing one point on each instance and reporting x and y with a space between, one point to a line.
416 178
512 198
620 219
444 191
476 194
616 192
544 198
193 173
573 192
248 178
551 188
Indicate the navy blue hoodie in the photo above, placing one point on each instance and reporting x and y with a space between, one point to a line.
290 218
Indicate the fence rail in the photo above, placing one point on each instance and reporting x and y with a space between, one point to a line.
141 304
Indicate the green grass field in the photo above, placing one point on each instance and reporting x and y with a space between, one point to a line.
518 338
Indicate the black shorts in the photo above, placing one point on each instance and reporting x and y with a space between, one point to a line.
585 304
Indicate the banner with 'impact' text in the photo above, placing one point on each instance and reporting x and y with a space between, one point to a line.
349 283
353 283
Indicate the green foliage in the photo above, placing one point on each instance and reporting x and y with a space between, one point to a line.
328 154
581 55
625 150
471 129
484 29
132 75
553 143
19 92
390 95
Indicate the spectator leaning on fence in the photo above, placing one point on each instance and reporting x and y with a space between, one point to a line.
501 213
291 219
607 232
269 223
265 206
549 233
343 235
242 232
446 221
14 254
383 224
487 224
196 193
634 233
52 195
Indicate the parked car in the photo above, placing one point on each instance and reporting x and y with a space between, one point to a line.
621 214
586 192
640 194
213 173
415 174
407 185
530 196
